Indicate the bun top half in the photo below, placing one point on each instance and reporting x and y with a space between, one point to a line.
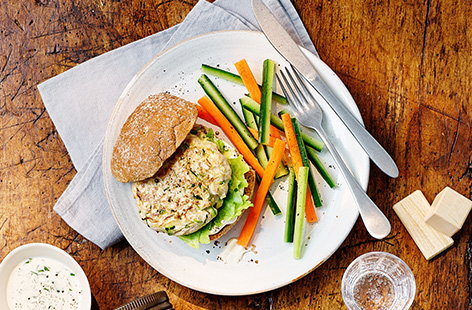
150 135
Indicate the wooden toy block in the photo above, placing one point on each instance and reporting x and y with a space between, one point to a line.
412 211
449 211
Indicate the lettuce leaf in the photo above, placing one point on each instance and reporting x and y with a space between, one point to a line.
233 205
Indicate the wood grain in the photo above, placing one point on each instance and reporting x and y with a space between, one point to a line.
407 64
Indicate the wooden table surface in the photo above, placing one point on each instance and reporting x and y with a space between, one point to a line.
408 65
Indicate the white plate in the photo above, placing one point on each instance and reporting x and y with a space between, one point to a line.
22 253
270 265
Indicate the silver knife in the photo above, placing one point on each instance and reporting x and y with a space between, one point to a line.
290 50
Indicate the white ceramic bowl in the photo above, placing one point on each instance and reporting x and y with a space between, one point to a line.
23 252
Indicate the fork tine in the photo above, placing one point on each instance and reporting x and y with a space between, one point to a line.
284 90
306 91
292 97
282 86
299 94
288 92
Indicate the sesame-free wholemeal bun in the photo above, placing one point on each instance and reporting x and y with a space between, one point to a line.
150 135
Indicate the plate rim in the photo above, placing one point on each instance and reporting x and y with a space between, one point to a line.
105 172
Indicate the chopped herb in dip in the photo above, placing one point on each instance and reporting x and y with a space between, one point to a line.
43 283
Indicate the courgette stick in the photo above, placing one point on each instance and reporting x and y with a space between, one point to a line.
228 76
311 180
300 212
320 167
290 212
249 104
223 105
268 75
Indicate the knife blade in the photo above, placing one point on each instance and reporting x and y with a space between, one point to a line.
290 50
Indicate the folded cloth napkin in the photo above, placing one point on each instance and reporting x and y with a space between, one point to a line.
80 101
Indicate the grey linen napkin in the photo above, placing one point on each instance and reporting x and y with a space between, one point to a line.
80 101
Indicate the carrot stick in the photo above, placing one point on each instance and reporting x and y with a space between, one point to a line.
203 114
310 212
292 142
274 132
232 134
286 159
255 133
251 222
249 80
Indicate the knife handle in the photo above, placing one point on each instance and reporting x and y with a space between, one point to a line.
374 150
374 220
156 301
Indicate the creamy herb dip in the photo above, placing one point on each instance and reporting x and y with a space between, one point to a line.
43 283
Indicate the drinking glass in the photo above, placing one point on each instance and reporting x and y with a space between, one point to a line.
378 280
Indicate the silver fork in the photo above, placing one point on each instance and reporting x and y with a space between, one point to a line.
309 113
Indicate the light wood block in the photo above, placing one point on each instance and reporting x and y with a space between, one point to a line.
449 211
412 211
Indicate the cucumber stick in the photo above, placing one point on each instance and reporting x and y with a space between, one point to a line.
220 101
251 105
284 111
311 180
226 75
273 205
263 153
271 201
290 213
315 160
262 156
256 118
249 118
320 167
298 235
268 75
281 169
259 150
